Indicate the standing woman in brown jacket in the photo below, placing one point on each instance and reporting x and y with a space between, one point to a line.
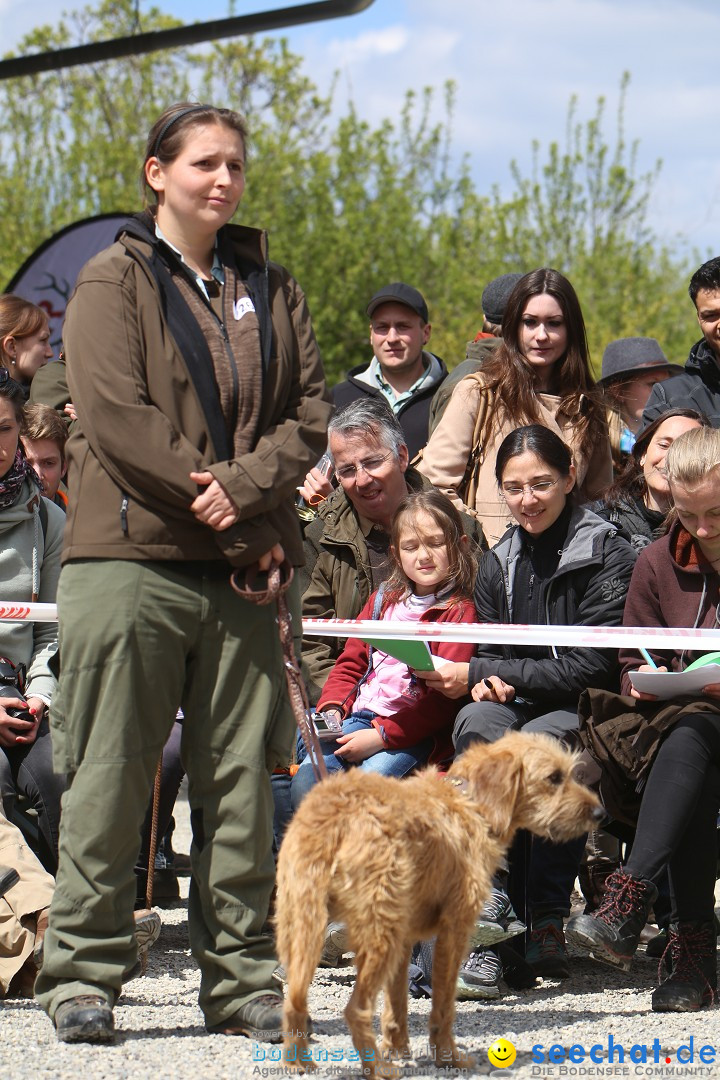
201 405
540 374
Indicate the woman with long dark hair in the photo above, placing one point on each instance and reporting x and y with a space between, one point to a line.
558 564
540 374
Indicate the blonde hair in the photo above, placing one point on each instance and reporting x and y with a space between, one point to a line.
693 456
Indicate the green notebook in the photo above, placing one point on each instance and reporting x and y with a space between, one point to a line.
416 654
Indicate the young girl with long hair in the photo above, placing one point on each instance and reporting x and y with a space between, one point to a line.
540 374
392 722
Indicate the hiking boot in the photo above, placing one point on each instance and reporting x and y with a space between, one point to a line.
612 934
87 1018
261 1018
479 977
546 952
336 945
497 921
693 982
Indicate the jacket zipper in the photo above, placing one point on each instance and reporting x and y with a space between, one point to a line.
124 514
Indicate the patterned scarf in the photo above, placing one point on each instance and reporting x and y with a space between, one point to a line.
11 483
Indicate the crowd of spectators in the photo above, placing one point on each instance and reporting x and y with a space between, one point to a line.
514 488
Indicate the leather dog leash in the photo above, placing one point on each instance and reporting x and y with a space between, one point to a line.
278 582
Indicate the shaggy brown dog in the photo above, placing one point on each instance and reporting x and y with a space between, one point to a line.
400 861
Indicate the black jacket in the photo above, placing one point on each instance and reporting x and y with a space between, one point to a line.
413 415
587 589
698 388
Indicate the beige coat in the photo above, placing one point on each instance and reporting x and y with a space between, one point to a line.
21 903
446 455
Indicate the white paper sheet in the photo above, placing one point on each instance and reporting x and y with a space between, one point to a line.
672 684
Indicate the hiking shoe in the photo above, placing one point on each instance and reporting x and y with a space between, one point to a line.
336 945
546 952
612 933
479 977
693 982
261 1018
87 1018
147 929
496 922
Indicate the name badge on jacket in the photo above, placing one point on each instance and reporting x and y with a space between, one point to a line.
242 306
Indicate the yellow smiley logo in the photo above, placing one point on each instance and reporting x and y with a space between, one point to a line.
501 1054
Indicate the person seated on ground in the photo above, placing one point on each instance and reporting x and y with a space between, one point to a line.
26 890
559 563
402 373
494 300
675 583
346 547
44 435
31 528
539 374
639 501
392 723
699 385
24 339
630 368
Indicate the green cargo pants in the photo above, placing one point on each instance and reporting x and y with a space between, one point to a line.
137 640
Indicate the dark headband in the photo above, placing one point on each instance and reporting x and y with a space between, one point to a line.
173 120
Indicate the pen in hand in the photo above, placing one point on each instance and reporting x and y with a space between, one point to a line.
648 657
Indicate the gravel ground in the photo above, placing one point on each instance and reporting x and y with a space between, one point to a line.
161 1034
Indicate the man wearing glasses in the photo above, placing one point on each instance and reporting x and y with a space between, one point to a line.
346 545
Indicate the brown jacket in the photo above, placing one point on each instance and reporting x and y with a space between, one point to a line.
142 428
446 456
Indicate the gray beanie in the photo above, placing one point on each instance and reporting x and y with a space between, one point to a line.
627 356
496 295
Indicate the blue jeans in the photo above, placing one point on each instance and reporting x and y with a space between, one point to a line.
386 762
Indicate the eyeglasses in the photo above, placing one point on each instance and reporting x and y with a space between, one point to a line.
515 491
370 466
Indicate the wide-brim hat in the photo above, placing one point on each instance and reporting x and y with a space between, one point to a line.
630 356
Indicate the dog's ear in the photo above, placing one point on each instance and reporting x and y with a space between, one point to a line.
493 772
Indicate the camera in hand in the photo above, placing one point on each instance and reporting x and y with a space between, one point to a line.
12 684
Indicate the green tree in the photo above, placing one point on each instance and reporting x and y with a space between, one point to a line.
349 206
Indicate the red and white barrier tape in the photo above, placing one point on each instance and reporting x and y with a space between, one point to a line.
28 612
589 637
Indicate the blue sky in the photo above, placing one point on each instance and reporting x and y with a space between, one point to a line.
516 66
